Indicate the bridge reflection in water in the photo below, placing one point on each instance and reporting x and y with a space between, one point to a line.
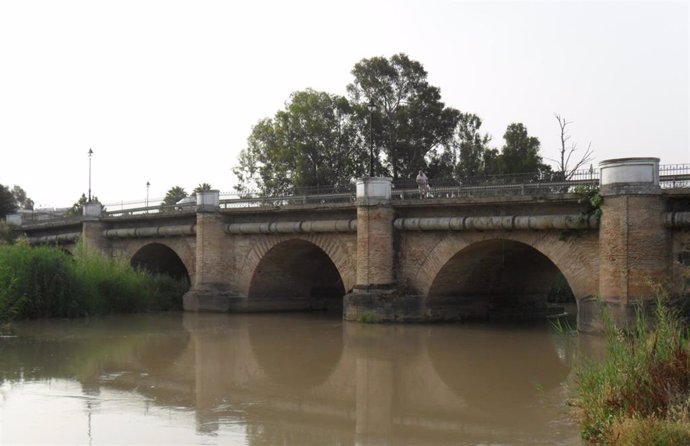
303 379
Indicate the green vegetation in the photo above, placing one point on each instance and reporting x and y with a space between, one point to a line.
174 194
41 282
78 207
640 393
589 196
8 203
321 139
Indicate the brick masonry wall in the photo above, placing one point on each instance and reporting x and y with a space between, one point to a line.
422 255
633 248
211 247
375 245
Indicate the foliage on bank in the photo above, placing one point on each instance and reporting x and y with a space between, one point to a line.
42 282
640 393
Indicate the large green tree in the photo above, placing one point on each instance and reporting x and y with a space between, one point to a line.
22 200
409 120
314 141
520 154
464 157
7 202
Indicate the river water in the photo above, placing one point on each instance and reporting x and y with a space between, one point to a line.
288 379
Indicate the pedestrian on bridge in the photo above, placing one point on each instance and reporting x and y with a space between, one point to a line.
422 184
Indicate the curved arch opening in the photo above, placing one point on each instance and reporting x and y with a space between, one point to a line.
296 275
157 258
501 280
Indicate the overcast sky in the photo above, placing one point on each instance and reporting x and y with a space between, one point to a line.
167 91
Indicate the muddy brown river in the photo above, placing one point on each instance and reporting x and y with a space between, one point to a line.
286 379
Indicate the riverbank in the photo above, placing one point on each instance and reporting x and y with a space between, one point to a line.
640 393
44 282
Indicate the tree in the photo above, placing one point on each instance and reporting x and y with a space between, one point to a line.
410 120
464 156
7 202
564 169
78 207
21 199
520 154
314 141
174 194
202 187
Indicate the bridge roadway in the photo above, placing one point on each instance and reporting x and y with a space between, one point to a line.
391 255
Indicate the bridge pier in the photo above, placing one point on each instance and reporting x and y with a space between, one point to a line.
633 242
376 297
211 290
93 229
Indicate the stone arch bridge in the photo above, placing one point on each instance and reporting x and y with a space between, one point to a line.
388 257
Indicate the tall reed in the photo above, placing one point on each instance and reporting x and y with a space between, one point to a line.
640 392
37 282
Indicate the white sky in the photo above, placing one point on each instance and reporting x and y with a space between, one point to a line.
167 91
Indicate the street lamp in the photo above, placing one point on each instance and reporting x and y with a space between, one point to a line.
147 196
372 108
90 154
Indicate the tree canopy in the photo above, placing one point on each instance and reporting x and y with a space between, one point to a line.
314 141
21 199
324 139
78 207
174 194
409 119
8 203
520 153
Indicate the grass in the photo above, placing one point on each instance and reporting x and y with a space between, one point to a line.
640 393
42 282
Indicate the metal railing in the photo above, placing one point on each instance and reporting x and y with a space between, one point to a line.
670 176
492 185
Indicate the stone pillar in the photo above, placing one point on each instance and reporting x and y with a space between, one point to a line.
92 230
375 297
633 241
211 288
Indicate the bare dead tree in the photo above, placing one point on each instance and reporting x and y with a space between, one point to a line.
567 151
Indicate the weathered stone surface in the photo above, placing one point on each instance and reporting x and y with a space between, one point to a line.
450 259
381 304
634 248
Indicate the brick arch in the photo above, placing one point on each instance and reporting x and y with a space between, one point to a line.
575 258
335 250
127 249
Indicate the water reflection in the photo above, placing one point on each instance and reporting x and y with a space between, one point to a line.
289 379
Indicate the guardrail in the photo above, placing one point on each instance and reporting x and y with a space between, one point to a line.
670 176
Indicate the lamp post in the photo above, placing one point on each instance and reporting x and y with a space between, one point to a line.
147 196
372 108
90 154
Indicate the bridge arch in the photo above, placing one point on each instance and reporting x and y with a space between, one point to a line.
283 273
161 259
493 268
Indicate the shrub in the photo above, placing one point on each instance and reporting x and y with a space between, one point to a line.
639 394
46 282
